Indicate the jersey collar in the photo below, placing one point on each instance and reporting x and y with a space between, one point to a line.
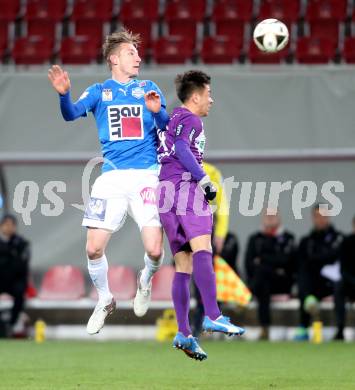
124 84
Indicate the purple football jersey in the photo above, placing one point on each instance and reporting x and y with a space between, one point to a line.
186 126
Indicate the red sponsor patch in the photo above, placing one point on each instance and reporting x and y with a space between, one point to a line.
148 195
131 127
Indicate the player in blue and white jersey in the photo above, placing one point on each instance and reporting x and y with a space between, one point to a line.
127 113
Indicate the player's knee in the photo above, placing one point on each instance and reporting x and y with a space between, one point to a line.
155 252
94 251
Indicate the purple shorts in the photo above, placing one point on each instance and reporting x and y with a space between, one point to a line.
184 213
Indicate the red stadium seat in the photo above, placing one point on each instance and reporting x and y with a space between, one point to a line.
139 10
44 28
122 283
62 282
144 29
349 50
324 16
172 50
78 50
220 50
99 10
43 16
256 56
138 16
162 283
9 10
187 29
45 10
315 50
233 10
4 35
230 16
285 10
32 50
183 10
326 10
90 28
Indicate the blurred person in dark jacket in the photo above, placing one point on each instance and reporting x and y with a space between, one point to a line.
270 265
345 288
317 250
14 264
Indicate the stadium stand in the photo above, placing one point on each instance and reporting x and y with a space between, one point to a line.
62 283
172 50
32 50
78 50
9 10
348 53
311 50
324 17
175 31
184 18
220 50
162 281
3 37
122 282
43 18
141 17
286 10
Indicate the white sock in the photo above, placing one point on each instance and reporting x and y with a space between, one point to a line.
151 267
98 272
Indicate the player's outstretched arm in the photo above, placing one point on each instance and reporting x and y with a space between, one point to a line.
61 83
153 103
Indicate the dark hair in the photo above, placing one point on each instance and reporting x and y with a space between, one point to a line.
11 217
189 82
116 39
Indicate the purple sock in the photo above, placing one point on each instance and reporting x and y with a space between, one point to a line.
181 299
205 280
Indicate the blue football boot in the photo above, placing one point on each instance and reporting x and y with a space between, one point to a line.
222 324
190 346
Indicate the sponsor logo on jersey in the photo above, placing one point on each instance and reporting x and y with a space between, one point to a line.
125 122
192 133
200 143
96 209
138 92
107 95
179 129
148 195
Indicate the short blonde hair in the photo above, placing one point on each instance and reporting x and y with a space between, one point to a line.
115 39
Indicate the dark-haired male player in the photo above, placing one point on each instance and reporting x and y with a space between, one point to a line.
184 191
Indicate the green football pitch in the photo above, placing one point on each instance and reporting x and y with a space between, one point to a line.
151 365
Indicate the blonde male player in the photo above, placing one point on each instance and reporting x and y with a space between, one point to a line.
127 113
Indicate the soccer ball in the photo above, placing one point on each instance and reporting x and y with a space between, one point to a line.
271 35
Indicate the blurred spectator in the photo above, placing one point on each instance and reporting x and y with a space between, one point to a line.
345 288
270 265
316 251
14 264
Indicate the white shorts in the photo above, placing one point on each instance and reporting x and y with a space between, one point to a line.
118 192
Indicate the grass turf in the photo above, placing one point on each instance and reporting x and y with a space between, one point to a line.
152 365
